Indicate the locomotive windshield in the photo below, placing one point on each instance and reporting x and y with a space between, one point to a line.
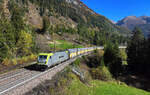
42 58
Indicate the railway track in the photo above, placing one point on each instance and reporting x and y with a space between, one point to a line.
10 80
19 77
12 73
15 79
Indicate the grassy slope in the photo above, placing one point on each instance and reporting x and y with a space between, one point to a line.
102 88
106 88
62 45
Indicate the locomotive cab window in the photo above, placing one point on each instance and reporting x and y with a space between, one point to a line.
42 58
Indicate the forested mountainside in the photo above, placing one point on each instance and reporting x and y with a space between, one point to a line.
22 20
131 22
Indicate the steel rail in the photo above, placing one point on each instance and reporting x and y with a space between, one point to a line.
11 73
14 75
5 82
18 81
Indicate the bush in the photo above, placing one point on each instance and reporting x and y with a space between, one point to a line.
6 62
105 74
87 77
101 73
60 81
123 55
94 61
100 53
32 57
77 62
16 61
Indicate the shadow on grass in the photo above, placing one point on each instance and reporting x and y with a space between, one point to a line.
138 81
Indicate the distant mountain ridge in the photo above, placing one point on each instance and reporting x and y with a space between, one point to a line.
132 21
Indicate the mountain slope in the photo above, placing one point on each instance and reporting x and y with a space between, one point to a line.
28 26
68 14
131 21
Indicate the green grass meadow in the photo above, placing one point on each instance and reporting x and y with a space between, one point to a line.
62 45
102 88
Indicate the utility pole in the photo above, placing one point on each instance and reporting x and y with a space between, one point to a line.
54 46
54 42
52 33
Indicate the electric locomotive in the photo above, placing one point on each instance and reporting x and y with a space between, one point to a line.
50 59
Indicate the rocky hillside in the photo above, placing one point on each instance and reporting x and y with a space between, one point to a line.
65 14
29 26
131 21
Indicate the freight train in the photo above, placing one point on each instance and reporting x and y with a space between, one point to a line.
46 60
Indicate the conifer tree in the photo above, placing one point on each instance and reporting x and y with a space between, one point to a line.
46 24
24 43
135 50
112 58
7 39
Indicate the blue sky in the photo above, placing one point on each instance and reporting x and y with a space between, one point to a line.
117 9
